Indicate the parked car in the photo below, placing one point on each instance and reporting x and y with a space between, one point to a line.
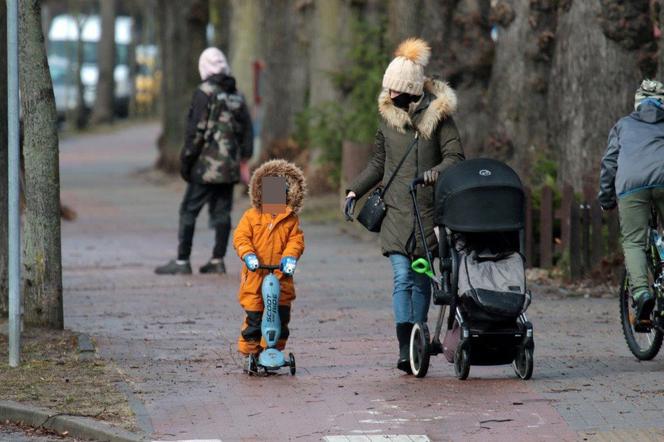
63 41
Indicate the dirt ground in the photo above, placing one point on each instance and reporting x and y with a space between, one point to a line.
54 375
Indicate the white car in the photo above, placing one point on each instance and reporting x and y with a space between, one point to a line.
63 40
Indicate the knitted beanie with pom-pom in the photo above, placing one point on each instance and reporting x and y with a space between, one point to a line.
406 72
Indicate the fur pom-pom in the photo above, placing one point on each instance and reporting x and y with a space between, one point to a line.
415 50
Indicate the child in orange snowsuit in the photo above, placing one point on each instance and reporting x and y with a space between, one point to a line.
264 238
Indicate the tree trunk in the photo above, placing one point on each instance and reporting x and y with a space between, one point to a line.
405 19
182 39
220 17
520 82
286 73
105 100
592 85
42 269
462 54
245 44
330 42
4 289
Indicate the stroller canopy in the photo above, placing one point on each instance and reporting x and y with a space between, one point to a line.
479 195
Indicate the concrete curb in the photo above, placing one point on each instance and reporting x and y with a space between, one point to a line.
76 426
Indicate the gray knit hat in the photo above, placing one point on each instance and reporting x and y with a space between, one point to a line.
649 89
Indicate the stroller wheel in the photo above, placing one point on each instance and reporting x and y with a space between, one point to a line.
419 349
461 363
291 363
523 364
252 366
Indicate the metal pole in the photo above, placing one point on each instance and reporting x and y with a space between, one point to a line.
13 175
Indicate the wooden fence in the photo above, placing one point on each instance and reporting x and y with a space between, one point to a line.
569 231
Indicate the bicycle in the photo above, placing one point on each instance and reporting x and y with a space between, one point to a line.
644 338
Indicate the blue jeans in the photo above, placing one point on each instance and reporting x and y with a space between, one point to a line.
412 291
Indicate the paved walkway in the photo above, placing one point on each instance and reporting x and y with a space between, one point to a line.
174 336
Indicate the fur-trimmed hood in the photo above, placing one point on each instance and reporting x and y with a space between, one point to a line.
297 186
442 103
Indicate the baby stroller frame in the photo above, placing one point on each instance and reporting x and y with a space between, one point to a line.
465 343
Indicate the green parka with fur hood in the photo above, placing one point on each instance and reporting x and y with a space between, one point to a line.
438 146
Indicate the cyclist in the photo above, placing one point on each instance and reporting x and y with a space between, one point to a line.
632 178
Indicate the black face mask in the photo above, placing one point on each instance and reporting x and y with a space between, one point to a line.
403 100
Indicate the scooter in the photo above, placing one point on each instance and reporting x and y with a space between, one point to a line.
270 359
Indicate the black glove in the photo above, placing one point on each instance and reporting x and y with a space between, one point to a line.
349 208
430 176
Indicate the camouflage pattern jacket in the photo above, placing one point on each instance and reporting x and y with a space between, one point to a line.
219 133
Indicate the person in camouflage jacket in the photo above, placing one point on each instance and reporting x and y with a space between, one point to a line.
218 139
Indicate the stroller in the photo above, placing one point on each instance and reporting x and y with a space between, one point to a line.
479 211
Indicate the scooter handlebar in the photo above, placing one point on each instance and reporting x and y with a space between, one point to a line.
266 267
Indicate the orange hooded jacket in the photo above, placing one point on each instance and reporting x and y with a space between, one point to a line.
270 237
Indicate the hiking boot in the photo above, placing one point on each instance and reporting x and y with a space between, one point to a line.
403 336
174 267
215 265
644 303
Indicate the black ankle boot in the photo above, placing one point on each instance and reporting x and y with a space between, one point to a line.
403 336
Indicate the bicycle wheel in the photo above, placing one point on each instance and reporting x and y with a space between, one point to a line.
644 344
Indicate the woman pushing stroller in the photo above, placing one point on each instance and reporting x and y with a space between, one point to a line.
416 137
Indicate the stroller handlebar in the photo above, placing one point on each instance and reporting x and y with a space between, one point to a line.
416 182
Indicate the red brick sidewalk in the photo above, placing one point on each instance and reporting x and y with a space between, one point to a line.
174 336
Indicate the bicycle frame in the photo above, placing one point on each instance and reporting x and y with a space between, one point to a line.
656 267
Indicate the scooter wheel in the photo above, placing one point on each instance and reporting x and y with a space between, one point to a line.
291 363
462 363
523 363
420 349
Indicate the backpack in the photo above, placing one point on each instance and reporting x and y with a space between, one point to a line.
219 161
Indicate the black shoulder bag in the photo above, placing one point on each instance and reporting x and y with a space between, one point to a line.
372 214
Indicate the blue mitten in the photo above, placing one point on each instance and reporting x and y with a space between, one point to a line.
287 265
251 261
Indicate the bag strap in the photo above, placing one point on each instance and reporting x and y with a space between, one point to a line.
394 173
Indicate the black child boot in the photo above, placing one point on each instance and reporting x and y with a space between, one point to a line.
403 336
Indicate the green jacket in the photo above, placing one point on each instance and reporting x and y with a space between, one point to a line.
438 146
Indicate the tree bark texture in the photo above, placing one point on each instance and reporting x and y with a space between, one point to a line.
286 27
182 39
405 19
245 46
332 20
105 101
462 54
220 17
558 77
4 289
520 82
591 86
42 266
